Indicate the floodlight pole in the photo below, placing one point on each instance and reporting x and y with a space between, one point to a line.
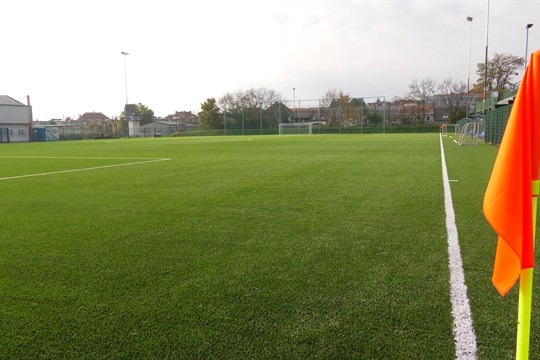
527 44
486 61
469 19
125 74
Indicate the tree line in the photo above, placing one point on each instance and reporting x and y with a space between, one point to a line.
263 107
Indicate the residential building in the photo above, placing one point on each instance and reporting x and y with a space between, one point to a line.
15 120
98 125
183 117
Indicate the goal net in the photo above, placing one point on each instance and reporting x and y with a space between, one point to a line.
471 132
444 129
295 128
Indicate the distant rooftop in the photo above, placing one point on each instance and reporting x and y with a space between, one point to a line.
6 100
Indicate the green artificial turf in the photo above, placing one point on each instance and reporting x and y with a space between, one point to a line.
321 246
495 317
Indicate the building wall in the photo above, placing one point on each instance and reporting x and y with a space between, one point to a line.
14 133
17 132
14 114
16 119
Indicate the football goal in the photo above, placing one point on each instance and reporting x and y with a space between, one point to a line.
471 132
444 129
295 128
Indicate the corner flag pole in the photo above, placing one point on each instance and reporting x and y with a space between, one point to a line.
525 292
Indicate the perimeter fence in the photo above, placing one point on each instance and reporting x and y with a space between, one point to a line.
496 124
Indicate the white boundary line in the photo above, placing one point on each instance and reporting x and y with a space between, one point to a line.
464 337
151 160
75 157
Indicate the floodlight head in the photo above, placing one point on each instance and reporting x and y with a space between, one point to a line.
124 53
529 26
469 18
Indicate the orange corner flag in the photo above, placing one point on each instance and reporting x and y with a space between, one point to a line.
507 201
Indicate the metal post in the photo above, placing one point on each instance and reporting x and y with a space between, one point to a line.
384 115
486 61
298 116
320 116
125 73
527 44
340 114
293 95
469 19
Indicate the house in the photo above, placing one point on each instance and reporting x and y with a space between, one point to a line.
93 117
98 125
302 115
413 112
277 113
183 117
15 120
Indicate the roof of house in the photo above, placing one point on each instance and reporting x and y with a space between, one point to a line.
303 113
182 115
160 123
6 100
91 116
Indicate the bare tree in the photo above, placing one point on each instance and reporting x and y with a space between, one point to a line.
422 93
262 97
453 94
330 96
336 104
249 105
248 99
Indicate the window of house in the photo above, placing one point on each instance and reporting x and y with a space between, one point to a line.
21 132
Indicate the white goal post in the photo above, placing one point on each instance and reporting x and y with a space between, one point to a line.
471 132
295 128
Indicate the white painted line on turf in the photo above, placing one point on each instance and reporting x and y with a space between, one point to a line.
84 169
464 337
75 157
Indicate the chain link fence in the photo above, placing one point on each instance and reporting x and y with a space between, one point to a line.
496 124
334 118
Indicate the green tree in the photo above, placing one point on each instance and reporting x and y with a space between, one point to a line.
374 117
145 114
500 74
209 116
123 125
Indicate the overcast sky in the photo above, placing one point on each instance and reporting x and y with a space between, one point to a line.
67 54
